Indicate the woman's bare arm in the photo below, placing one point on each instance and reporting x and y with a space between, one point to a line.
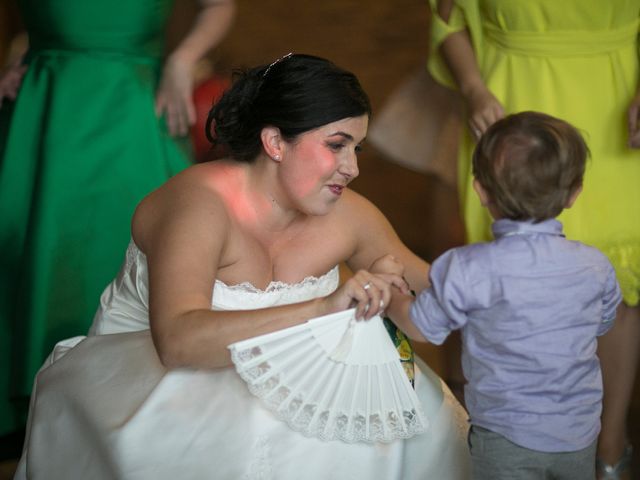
375 237
483 108
174 95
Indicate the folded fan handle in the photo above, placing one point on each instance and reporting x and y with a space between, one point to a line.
342 350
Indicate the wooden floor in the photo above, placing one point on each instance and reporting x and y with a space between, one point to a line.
383 42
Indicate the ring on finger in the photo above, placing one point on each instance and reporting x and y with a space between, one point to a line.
367 286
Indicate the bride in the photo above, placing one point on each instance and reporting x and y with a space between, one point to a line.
226 251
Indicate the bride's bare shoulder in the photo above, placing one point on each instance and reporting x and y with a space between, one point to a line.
203 180
355 209
192 198
208 175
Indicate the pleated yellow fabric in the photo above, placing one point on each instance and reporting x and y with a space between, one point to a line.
577 60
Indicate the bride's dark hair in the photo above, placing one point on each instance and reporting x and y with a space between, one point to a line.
296 93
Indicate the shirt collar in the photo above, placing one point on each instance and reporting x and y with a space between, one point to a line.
506 227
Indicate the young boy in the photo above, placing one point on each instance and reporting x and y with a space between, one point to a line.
530 305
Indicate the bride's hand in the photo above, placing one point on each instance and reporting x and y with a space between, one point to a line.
369 293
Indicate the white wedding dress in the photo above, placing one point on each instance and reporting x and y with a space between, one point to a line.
104 407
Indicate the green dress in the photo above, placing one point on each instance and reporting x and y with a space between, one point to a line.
577 60
79 148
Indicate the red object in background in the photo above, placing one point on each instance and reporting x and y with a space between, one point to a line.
204 96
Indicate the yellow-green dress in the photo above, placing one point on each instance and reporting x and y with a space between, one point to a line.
79 149
577 60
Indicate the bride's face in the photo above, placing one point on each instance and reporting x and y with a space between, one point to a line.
316 168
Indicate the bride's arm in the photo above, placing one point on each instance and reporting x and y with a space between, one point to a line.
184 235
374 237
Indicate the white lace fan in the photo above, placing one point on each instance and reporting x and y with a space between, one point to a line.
333 378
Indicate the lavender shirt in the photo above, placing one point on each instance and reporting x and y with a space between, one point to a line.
530 305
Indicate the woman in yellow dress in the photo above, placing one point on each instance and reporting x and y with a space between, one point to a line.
577 60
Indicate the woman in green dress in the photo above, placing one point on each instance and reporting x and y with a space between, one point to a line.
577 60
98 122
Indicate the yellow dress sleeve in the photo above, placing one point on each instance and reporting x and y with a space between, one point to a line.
465 14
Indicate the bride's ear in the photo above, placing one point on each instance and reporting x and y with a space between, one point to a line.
272 142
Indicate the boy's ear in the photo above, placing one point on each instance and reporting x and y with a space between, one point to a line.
272 142
485 199
573 197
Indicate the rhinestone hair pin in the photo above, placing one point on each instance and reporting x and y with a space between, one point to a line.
275 62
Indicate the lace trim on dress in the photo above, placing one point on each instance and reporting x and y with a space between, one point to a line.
277 286
132 253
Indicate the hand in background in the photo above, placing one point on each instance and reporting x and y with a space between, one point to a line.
11 79
174 98
484 110
633 125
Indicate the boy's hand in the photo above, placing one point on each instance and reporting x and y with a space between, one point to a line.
387 264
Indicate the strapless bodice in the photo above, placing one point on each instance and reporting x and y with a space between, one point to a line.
124 304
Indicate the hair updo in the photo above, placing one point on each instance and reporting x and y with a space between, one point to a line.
296 93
